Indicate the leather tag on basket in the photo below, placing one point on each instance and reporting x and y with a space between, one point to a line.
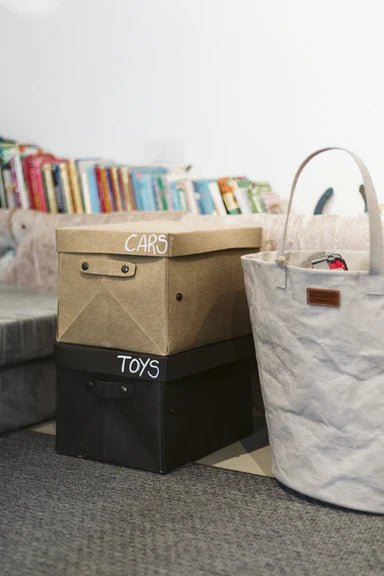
322 297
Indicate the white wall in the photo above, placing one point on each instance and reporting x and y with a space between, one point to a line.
231 86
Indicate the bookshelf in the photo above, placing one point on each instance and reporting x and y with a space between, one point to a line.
32 178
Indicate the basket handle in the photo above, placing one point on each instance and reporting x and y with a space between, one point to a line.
376 249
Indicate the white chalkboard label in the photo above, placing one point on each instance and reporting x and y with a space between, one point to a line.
137 366
154 244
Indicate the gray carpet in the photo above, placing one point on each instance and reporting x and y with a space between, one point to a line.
65 516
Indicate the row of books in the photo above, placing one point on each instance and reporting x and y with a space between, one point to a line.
32 178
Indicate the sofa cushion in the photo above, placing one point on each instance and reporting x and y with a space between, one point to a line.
27 393
27 324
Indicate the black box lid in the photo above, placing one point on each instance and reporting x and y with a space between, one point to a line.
151 367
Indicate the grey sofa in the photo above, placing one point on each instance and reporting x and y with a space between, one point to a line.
27 372
28 279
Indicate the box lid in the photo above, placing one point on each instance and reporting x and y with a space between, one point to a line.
156 238
153 368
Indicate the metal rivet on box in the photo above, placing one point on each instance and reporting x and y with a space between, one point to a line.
85 265
125 268
123 389
179 296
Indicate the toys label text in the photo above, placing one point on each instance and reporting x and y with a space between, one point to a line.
139 366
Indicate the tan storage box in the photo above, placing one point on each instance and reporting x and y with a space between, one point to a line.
152 287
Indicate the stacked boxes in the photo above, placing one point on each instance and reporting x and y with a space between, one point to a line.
153 342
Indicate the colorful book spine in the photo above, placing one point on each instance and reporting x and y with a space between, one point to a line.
173 203
168 193
228 195
149 193
198 197
138 186
10 162
92 188
9 188
271 201
110 191
105 190
254 198
126 186
136 189
217 198
118 196
157 193
6 152
60 199
240 189
16 184
23 189
189 194
3 199
181 194
75 187
27 179
49 188
163 193
22 199
37 188
66 187
100 188
203 197
85 191
85 167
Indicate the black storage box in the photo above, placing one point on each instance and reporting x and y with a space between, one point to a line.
153 412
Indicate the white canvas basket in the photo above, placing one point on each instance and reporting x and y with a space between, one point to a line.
321 362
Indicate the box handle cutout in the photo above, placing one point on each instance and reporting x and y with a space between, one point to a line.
105 267
108 389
